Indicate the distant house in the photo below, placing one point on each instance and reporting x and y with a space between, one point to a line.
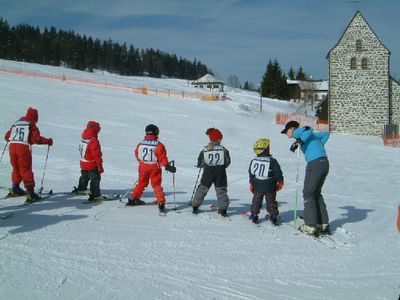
321 110
209 82
363 97
315 90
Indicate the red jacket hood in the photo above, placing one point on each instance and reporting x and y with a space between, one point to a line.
32 115
91 131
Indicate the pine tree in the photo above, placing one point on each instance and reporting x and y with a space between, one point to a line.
300 75
66 48
274 84
291 74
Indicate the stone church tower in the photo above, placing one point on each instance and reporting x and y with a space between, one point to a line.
362 95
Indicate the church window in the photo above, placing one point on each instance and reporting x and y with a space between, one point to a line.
358 45
364 63
353 64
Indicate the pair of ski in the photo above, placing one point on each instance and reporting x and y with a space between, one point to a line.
98 199
211 212
325 240
246 215
160 213
42 196
102 198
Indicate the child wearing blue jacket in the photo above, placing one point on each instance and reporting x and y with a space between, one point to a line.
312 143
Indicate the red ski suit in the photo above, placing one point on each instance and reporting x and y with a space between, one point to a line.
151 154
91 156
21 136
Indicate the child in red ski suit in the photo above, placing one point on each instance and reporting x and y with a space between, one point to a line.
91 162
21 136
151 154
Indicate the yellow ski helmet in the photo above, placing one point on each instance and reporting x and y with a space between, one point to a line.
261 145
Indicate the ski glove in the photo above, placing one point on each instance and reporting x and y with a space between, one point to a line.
279 185
100 169
170 168
296 145
251 187
50 142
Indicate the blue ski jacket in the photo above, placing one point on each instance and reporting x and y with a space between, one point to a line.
313 142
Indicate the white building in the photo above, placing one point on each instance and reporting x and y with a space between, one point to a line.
209 82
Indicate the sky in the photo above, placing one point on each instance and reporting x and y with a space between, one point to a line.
232 37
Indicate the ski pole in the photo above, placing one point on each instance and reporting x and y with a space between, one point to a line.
4 150
195 185
129 190
297 191
173 183
44 170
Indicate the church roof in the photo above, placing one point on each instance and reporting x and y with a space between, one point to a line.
357 14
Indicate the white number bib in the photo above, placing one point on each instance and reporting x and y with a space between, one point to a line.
214 158
82 149
20 132
259 167
146 152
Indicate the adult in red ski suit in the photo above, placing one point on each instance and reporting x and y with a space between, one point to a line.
151 154
91 162
22 134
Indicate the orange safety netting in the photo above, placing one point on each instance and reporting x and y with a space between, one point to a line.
391 140
320 125
91 82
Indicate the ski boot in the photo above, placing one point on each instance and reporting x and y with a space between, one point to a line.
309 230
15 191
161 208
254 218
134 202
31 196
222 212
195 210
275 220
324 229
79 191
95 198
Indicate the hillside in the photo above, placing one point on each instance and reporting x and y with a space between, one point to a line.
61 248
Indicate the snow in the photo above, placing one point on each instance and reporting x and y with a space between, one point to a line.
61 248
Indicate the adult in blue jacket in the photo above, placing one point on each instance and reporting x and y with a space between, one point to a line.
312 143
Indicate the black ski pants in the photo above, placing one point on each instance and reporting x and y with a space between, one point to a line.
94 177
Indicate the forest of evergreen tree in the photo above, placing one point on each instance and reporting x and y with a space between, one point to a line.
68 49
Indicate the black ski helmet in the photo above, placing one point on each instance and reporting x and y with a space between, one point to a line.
152 129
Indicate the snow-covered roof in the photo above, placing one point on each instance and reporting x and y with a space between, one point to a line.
320 85
208 78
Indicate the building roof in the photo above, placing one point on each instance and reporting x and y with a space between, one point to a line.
317 85
357 14
208 78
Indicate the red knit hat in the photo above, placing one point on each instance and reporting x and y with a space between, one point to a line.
214 134
32 115
94 125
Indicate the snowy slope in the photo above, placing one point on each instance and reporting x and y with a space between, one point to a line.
63 249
